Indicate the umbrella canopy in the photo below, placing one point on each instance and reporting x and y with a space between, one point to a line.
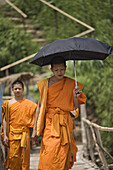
73 49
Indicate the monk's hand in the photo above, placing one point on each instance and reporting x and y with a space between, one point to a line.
34 136
5 140
34 133
77 91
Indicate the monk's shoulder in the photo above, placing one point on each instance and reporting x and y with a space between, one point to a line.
70 80
29 106
5 103
29 102
42 82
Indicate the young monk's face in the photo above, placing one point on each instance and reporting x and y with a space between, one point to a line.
58 71
17 90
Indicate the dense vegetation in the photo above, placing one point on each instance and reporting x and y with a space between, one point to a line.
97 76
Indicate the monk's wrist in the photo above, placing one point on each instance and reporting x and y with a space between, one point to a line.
35 127
4 133
5 136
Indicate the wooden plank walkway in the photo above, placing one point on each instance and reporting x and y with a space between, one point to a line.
81 164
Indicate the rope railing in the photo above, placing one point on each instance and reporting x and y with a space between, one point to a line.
94 147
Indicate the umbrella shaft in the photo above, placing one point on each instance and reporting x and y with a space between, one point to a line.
75 80
75 75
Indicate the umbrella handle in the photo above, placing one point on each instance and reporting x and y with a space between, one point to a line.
75 80
75 75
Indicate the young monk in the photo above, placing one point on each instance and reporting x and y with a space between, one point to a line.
18 115
58 96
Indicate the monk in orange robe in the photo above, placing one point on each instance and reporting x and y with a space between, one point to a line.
58 97
18 115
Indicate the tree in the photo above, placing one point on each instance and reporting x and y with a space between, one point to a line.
15 45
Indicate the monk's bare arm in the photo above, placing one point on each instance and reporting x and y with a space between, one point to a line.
36 118
76 93
75 100
5 130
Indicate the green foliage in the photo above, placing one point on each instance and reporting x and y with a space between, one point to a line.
15 45
96 76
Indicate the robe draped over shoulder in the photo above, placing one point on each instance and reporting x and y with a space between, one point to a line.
21 117
55 99
22 113
43 89
60 94
5 111
58 151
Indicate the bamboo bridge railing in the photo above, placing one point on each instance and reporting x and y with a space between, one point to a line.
93 147
89 29
92 143
17 9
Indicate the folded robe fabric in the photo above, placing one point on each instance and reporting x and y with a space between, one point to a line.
57 152
21 117
5 110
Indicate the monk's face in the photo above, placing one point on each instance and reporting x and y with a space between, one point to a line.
17 90
58 71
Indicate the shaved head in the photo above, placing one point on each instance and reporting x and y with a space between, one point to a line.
58 60
18 82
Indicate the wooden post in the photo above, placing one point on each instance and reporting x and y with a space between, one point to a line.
9 91
96 143
27 89
83 115
83 129
101 152
7 72
90 144
56 21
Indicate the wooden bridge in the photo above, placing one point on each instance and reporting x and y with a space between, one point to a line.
81 164
91 153
29 28
93 146
92 142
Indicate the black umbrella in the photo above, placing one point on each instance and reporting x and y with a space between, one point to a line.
73 49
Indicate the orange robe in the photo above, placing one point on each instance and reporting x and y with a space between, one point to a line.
5 109
21 117
58 151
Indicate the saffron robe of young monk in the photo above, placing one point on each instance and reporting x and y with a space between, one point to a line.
21 117
58 151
